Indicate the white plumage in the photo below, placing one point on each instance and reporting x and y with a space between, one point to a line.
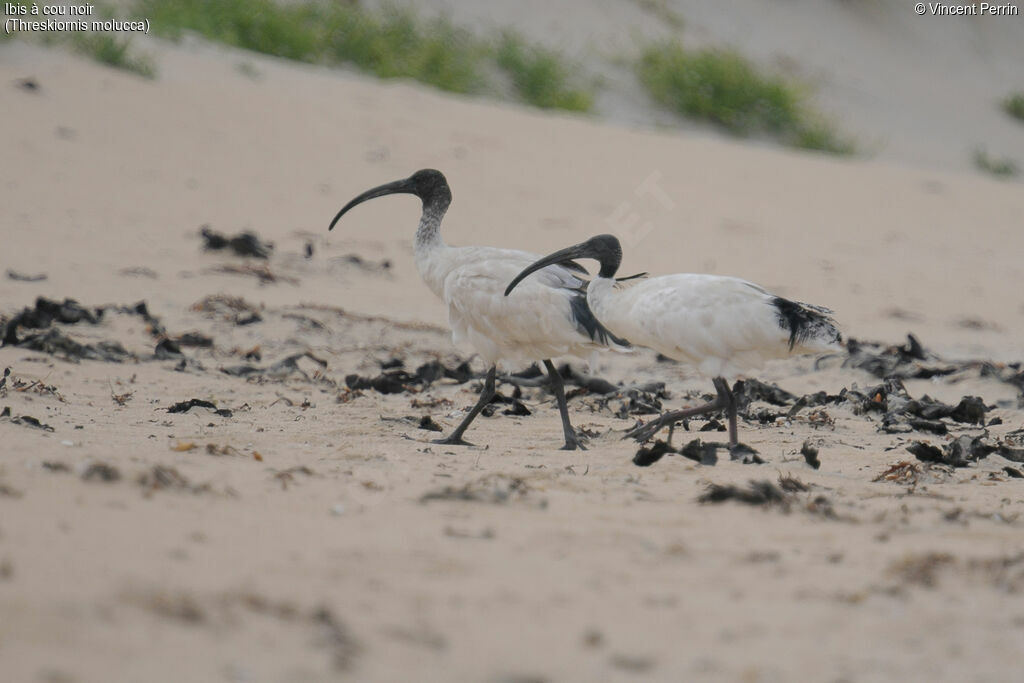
533 324
548 318
723 326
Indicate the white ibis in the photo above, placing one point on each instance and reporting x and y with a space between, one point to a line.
549 318
723 326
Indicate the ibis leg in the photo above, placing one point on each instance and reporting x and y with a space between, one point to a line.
730 409
572 442
724 401
455 438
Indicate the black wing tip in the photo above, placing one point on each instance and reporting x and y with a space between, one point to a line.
588 323
805 321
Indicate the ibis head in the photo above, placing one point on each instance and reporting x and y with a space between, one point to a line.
429 185
604 249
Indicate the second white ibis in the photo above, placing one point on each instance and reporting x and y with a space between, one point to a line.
723 326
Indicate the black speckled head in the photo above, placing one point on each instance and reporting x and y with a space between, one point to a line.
605 249
428 184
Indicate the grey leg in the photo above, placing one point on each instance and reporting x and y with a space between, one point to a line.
455 438
724 401
572 442
730 409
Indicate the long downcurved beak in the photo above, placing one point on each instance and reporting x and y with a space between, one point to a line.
561 256
399 186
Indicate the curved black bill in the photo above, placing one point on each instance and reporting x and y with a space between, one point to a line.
560 256
396 187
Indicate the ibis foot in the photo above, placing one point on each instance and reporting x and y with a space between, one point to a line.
450 441
573 444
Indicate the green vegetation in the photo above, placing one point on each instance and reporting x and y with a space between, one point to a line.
540 76
395 43
261 25
392 43
1014 105
109 49
722 87
1001 168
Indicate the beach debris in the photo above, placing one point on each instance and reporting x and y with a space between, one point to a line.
643 399
790 484
120 399
746 391
24 420
194 340
494 488
161 477
9 382
761 492
359 262
431 402
28 84
185 406
645 457
279 370
55 466
9 491
903 414
21 277
260 271
139 271
394 379
533 376
287 477
427 423
100 471
810 454
782 496
243 244
54 342
336 637
516 407
46 312
167 349
959 452
906 361
704 452
920 569
230 308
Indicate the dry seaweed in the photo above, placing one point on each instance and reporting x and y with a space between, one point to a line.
959 452
909 361
185 406
24 420
279 370
810 454
761 492
395 380
645 457
491 488
21 277
100 471
243 244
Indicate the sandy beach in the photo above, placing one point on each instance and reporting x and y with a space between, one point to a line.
290 528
